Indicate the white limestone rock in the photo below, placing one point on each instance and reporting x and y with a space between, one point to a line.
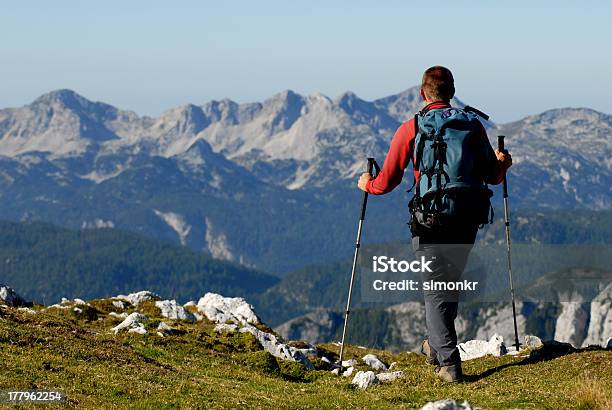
348 372
119 304
447 405
363 380
349 363
57 306
532 342
118 315
172 310
9 297
138 297
221 309
310 351
133 321
272 345
374 362
140 330
226 328
164 327
478 348
388 376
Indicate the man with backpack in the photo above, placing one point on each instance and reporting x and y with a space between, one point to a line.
453 163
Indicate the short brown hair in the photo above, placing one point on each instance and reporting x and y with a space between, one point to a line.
438 83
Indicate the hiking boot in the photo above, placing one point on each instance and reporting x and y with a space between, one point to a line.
429 353
450 374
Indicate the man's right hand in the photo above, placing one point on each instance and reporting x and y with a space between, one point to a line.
363 181
504 158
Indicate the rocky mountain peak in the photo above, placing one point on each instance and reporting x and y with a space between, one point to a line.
283 109
71 100
350 102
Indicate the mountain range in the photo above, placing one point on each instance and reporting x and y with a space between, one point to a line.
270 185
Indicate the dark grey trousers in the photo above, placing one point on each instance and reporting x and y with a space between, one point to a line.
448 252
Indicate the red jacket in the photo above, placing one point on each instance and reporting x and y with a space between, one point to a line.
401 153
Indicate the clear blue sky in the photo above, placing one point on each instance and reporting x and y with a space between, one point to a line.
509 58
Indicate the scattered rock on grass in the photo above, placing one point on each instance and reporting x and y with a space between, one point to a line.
363 380
348 372
119 304
532 342
374 362
478 348
138 330
271 344
133 324
226 327
118 315
171 310
447 405
138 297
388 376
221 309
164 329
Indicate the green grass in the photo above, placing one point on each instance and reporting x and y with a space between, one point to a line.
55 349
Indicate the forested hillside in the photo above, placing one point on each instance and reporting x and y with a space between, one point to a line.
46 263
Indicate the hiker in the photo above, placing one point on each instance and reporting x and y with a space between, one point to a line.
453 163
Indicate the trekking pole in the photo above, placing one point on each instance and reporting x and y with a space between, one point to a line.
500 145
371 162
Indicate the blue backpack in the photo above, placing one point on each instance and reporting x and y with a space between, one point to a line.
448 154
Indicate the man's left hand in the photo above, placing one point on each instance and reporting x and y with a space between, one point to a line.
363 180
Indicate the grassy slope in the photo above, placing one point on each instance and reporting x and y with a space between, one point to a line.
97 369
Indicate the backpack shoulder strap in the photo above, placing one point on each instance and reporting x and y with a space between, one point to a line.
476 111
417 155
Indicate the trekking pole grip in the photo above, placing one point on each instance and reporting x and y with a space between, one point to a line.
364 203
502 148
500 142
370 165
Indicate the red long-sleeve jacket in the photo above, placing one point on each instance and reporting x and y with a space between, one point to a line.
401 153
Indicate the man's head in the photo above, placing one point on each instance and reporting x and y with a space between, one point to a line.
438 84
